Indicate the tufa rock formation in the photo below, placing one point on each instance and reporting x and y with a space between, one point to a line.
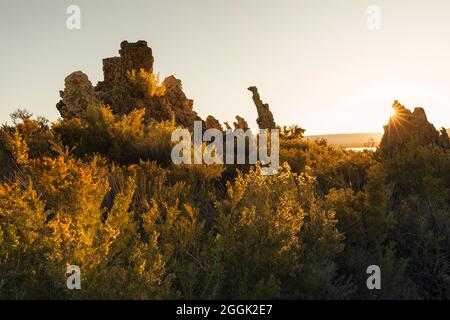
240 124
227 125
212 123
405 126
180 104
265 117
444 139
129 83
77 96
118 92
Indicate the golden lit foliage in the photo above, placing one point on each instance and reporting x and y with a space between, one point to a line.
22 239
123 138
146 83
275 233
16 145
37 243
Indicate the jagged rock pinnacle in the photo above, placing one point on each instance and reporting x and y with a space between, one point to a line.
212 123
405 126
265 117
240 124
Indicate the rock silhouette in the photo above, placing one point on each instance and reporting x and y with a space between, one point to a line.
265 117
405 126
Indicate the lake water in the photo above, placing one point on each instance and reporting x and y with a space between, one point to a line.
373 149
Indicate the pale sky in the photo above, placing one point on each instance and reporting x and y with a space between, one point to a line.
314 61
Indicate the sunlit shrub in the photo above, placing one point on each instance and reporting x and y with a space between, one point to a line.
146 84
274 234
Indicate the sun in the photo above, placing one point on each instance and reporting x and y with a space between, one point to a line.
392 113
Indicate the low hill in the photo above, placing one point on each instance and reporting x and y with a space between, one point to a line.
350 140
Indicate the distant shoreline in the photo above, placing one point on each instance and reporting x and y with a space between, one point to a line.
350 140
